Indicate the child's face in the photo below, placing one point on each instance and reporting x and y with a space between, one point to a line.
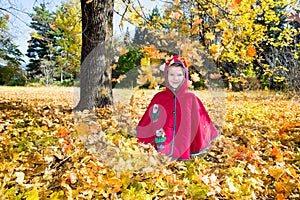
175 76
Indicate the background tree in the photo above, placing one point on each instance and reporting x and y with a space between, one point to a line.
68 24
10 57
42 45
95 71
273 69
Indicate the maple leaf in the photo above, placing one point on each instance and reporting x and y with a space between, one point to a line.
195 77
115 183
210 36
276 152
176 15
104 91
20 177
251 51
176 2
228 34
237 1
54 27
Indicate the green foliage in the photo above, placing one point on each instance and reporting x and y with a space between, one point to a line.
128 64
10 58
11 75
129 60
42 45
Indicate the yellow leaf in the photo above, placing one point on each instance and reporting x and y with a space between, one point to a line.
210 36
36 35
195 77
176 2
104 91
82 128
32 195
214 49
195 27
114 66
145 61
228 34
276 172
215 11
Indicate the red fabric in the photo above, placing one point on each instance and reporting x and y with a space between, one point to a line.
180 110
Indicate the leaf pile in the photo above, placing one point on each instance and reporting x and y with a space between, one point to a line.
49 152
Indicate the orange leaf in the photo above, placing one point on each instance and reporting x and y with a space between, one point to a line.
62 132
276 152
123 51
237 1
230 97
176 15
115 183
215 76
279 187
54 27
251 51
280 197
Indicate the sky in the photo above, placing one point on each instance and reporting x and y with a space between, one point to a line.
19 20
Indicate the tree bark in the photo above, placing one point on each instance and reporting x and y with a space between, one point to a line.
95 70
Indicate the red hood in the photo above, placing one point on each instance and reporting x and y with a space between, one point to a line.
184 86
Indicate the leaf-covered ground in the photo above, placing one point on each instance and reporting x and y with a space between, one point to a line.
49 152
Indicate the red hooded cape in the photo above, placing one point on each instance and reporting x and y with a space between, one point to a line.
176 122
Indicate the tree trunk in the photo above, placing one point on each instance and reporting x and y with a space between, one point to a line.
95 70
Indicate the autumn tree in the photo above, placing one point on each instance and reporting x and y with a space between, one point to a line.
229 30
95 71
67 24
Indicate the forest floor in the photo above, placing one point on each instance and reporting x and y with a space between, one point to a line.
48 151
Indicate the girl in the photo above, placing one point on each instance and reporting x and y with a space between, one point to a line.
176 122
